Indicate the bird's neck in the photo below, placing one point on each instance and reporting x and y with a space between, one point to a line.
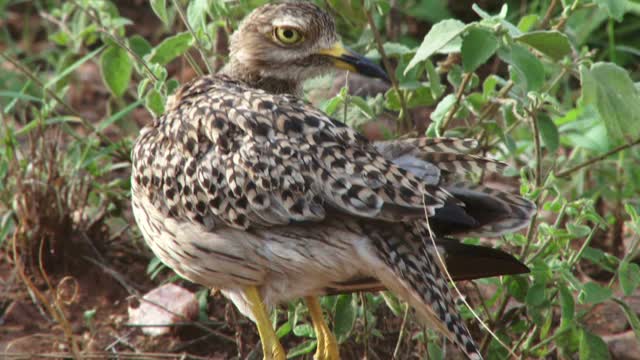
273 85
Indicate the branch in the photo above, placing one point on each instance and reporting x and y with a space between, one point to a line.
465 80
594 160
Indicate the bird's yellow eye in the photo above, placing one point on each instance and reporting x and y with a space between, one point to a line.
287 35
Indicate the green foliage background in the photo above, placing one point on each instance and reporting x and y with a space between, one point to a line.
548 85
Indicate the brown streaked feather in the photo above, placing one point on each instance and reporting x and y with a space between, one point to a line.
240 156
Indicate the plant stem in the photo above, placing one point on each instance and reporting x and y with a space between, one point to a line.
405 117
538 148
465 80
402 328
119 41
195 38
548 14
594 160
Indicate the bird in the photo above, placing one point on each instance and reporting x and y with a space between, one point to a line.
243 186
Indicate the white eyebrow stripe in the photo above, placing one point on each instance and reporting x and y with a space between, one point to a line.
290 21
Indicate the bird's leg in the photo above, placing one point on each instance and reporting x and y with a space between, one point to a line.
327 348
271 347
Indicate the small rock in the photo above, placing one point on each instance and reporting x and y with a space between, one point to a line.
165 305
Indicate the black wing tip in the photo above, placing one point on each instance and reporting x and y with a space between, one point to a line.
468 262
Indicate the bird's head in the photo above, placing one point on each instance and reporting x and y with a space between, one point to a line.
291 42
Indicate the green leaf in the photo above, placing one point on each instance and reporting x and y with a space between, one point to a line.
435 351
631 316
345 317
196 13
536 295
159 7
361 104
615 8
478 45
527 22
578 230
567 306
301 349
554 44
600 258
154 103
517 287
116 68
304 330
170 48
548 132
140 45
442 109
594 293
331 106
434 80
421 97
528 68
611 91
396 307
592 347
391 49
629 276
440 35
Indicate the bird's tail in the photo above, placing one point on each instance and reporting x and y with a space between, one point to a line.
409 270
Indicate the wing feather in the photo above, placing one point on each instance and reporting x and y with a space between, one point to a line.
258 159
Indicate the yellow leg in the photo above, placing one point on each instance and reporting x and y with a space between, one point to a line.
270 345
327 348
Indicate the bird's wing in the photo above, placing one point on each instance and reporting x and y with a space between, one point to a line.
447 161
264 159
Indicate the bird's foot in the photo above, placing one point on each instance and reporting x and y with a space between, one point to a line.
274 351
327 348
271 347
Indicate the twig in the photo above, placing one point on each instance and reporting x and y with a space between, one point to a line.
548 14
405 116
118 41
570 171
402 328
363 299
198 44
465 80
537 147
53 311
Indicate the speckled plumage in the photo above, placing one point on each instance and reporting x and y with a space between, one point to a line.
240 184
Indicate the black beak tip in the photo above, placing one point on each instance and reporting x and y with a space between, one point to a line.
378 72
367 67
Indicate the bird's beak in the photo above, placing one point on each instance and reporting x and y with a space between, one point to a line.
346 59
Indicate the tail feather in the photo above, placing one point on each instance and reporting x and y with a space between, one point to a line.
409 270
495 212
